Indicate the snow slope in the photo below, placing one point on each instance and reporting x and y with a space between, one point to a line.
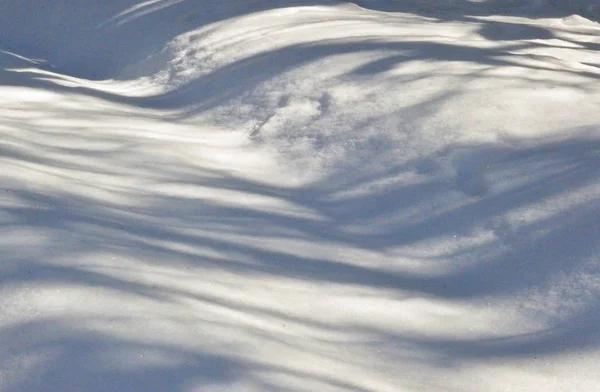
299 196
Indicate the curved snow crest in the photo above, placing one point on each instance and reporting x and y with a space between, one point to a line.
295 80
294 77
138 10
201 51
588 8
99 40
96 40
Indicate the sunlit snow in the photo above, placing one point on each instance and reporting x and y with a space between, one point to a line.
250 195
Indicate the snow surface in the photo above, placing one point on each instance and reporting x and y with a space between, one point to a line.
229 195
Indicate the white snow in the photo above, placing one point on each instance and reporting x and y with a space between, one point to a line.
234 195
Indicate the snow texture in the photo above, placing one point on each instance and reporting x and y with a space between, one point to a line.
250 195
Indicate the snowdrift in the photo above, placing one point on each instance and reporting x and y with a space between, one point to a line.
299 195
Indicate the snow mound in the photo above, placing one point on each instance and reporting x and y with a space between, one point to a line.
578 20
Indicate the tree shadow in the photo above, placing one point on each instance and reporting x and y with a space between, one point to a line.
519 254
217 88
519 45
85 360
507 219
458 9
98 41
454 196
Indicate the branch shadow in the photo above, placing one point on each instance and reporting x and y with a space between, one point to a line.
244 76
99 41
84 360
517 257
510 217
459 9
